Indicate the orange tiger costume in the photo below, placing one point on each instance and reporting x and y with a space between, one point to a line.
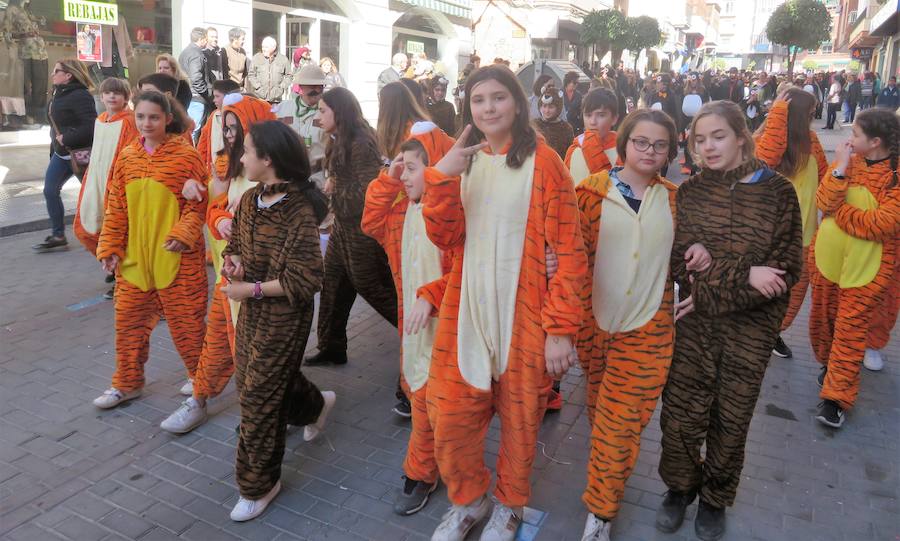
471 379
216 364
590 153
851 265
625 358
384 218
145 210
770 148
111 134
885 316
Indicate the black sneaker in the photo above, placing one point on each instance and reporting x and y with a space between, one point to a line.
830 414
413 497
403 408
51 243
109 295
820 379
670 514
781 349
110 279
710 522
325 358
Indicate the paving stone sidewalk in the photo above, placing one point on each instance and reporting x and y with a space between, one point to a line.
70 471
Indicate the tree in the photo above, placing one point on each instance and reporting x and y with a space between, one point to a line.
799 25
643 33
810 65
604 30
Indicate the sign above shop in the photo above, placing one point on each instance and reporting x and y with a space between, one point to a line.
415 47
85 11
862 53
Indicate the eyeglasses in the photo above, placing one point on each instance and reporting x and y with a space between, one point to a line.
229 129
641 145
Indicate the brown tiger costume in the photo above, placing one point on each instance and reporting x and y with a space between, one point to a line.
723 348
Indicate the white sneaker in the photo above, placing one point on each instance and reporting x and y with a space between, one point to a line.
595 529
459 519
873 360
503 525
246 509
186 418
112 397
311 432
188 388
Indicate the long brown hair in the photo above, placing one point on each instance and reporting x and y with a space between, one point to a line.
800 113
78 70
524 138
234 151
169 106
733 116
351 127
397 110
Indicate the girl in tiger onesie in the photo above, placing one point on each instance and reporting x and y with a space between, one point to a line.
803 162
152 238
216 364
273 264
595 149
854 256
728 317
625 345
498 197
393 217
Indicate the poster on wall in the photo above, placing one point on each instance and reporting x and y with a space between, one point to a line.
88 42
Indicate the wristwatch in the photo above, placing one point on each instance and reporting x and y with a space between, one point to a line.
257 291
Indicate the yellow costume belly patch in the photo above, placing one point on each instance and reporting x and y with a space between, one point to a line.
842 258
152 212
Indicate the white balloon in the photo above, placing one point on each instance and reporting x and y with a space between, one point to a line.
657 106
691 104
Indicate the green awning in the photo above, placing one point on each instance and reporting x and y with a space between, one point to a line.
456 8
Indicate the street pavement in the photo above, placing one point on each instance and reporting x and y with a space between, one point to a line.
71 471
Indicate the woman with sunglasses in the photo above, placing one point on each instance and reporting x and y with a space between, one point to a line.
72 116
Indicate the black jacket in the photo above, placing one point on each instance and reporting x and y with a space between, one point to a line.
854 93
196 67
574 115
73 111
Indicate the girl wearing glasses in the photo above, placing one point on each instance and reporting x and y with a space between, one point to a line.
625 344
748 218
216 365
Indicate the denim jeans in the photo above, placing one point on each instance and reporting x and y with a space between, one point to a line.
197 111
832 114
59 171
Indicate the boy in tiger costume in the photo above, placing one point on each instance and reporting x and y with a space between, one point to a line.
853 256
393 217
595 149
152 238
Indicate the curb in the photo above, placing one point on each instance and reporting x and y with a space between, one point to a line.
32 226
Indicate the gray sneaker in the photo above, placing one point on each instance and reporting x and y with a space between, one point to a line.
413 497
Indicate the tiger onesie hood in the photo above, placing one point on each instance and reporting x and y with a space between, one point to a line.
590 153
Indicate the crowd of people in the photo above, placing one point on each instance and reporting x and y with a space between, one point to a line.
507 243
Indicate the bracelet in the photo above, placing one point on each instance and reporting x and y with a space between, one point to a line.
257 291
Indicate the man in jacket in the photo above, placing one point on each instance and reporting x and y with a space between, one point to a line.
194 64
270 72
213 53
234 57
889 96
398 65
854 95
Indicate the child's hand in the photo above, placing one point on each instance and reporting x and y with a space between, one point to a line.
552 262
232 268
237 290
110 264
418 317
396 168
224 228
458 157
176 246
698 258
559 355
842 153
193 190
768 281
684 307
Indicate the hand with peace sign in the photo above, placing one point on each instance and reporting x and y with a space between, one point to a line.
457 159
